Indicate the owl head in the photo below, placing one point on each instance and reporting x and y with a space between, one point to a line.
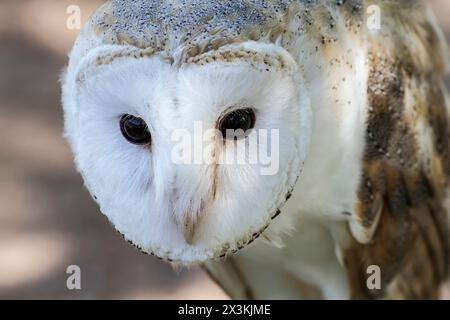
190 158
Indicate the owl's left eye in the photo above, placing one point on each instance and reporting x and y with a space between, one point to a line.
239 120
135 130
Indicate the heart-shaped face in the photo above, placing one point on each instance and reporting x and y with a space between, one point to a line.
189 162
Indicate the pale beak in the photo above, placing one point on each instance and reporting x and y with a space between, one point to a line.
188 228
189 221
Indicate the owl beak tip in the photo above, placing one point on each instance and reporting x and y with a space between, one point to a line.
188 229
188 224
188 234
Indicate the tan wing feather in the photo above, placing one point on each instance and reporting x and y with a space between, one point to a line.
407 160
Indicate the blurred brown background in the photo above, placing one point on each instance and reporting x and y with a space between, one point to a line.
47 219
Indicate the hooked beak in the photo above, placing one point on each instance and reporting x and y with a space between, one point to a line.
188 228
189 222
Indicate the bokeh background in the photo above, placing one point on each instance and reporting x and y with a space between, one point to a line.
47 219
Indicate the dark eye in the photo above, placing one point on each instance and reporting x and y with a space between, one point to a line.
135 130
242 119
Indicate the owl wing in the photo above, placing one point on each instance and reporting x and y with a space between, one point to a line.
401 221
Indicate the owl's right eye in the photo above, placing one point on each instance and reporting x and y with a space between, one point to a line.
135 130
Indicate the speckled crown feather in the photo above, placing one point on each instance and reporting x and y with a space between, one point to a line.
186 28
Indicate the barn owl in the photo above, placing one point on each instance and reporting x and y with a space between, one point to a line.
362 145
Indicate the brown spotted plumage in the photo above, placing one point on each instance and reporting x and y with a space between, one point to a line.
405 178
